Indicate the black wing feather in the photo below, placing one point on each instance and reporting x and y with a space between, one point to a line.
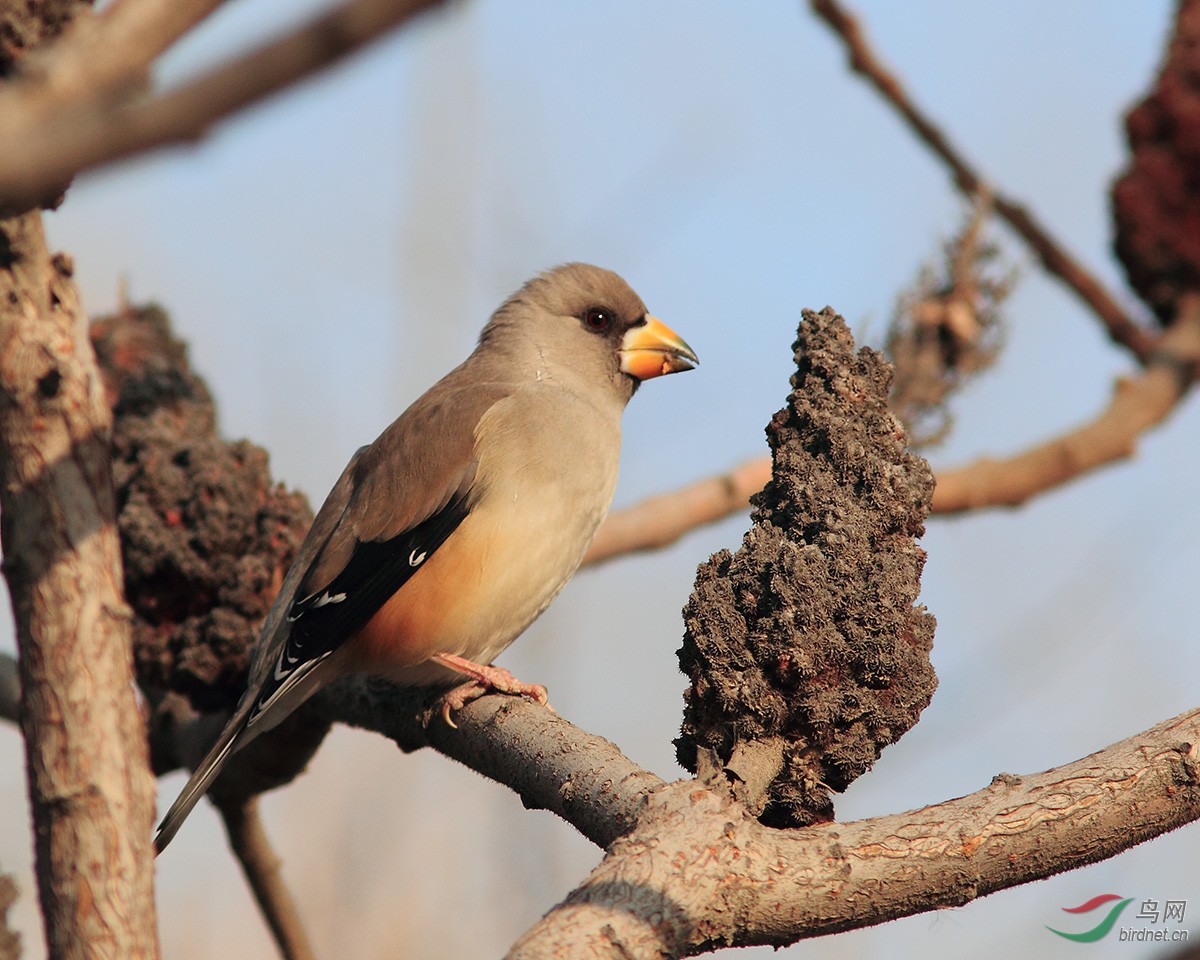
322 621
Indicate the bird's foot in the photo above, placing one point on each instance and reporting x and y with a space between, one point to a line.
483 679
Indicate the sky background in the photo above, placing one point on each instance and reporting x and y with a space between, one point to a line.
331 253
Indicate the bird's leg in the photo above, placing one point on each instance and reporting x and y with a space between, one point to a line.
480 680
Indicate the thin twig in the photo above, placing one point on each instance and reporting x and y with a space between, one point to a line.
1122 328
261 866
39 153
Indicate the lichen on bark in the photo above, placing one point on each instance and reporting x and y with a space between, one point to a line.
806 649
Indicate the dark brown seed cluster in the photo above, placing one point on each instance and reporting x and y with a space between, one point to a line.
806 649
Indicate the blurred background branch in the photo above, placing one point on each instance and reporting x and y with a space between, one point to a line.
1054 256
51 130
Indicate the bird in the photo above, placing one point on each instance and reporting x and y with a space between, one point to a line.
454 530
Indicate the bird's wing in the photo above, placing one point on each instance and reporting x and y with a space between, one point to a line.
395 504
409 492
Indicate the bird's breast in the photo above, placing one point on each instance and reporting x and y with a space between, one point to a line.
541 494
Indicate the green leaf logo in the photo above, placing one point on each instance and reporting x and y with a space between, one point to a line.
1101 929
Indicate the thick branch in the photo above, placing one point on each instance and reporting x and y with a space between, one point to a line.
1122 328
100 61
689 869
697 873
550 763
39 153
91 793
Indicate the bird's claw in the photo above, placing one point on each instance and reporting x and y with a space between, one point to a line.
482 680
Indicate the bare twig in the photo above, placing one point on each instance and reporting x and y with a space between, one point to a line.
1122 328
947 329
249 842
38 154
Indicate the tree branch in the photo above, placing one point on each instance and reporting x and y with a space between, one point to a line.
661 520
548 761
1139 403
261 865
40 153
100 61
688 869
698 873
1122 328
91 793
101 55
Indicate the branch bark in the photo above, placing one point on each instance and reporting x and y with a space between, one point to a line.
687 870
547 761
697 873
99 62
91 793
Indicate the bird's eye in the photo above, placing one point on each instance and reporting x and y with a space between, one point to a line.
597 319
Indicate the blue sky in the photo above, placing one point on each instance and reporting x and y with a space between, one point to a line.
331 253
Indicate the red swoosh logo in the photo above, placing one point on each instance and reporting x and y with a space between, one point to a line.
1092 904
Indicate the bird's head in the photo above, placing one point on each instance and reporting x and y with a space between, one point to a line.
585 320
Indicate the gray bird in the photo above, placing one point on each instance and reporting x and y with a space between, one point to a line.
452 532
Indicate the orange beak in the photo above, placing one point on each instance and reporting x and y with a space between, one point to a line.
654 349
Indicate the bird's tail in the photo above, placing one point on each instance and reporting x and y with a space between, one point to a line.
201 779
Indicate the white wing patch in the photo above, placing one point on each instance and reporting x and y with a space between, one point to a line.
324 599
290 676
416 559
